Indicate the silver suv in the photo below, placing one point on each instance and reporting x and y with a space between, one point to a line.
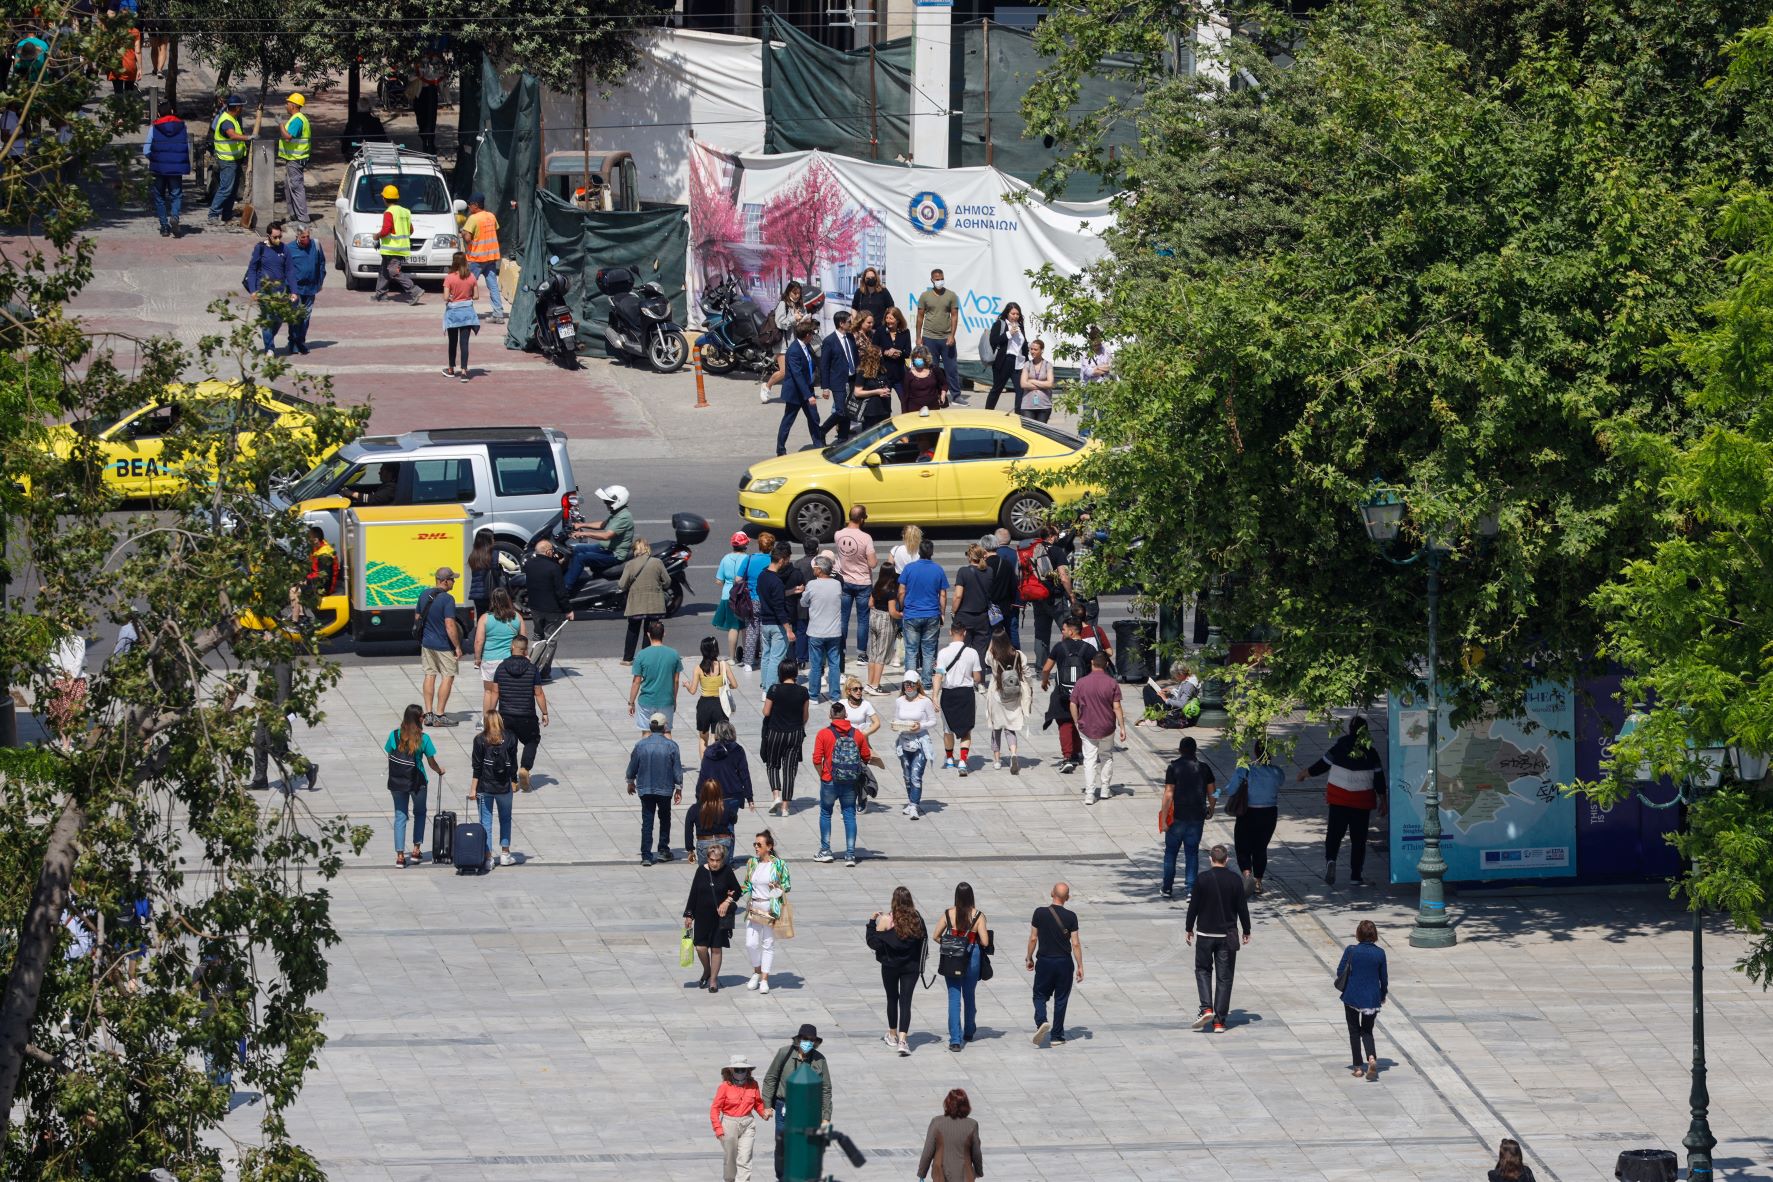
513 480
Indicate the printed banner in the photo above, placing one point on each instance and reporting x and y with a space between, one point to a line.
809 216
1502 814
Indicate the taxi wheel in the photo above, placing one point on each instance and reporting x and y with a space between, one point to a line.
1024 512
813 518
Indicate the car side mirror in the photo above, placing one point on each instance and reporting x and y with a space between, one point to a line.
873 460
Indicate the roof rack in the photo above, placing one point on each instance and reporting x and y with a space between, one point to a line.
385 157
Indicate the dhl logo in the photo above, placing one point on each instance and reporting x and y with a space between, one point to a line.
439 536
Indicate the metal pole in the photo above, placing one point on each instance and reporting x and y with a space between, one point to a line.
1699 1141
987 54
873 104
1432 929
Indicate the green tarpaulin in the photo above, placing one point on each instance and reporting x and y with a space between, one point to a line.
817 97
508 157
652 243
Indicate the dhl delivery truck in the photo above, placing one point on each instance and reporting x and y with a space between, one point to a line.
390 558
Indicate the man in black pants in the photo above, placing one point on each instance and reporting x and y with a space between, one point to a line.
1054 953
547 597
1216 904
521 701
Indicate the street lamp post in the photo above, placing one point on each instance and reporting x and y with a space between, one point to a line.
1383 516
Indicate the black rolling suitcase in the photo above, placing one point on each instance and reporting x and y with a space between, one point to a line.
469 847
443 832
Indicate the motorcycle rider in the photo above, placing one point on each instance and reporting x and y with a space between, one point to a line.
617 530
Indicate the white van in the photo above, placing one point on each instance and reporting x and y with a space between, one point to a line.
425 194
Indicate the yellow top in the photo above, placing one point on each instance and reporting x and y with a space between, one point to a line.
710 683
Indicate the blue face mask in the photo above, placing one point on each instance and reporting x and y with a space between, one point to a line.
806 1045
918 364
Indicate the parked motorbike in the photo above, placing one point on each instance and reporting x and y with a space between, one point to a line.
739 334
555 335
598 592
391 92
640 327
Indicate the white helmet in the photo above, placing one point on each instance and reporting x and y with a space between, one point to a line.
615 496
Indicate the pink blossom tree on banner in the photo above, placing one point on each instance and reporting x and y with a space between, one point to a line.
811 222
715 215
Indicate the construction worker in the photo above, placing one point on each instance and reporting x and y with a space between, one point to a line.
395 240
228 142
481 236
297 136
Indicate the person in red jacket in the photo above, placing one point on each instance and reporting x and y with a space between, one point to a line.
839 753
738 1102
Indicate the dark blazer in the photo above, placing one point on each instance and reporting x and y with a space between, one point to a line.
1368 982
893 367
797 387
546 584
837 362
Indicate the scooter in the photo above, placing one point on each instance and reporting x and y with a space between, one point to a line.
740 335
555 335
598 592
640 327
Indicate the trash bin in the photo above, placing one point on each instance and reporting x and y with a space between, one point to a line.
1646 1165
1135 649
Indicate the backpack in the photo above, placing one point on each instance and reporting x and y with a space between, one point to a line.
1034 579
1009 678
739 599
403 770
424 610
846 757
495 764
1071 666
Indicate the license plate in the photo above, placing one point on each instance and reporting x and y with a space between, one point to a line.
567 332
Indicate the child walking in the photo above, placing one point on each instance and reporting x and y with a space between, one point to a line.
738 1102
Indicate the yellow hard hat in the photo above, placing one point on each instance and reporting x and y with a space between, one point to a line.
390 193
298 100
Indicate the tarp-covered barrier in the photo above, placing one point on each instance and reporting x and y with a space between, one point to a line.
651 243
687 83
769 219
461 179
509 155
819 98
1012 68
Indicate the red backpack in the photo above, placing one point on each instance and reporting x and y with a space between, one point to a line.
1034 584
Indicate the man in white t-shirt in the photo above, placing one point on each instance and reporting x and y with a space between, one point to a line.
958 675
856 561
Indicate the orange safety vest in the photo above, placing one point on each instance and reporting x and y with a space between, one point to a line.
484 246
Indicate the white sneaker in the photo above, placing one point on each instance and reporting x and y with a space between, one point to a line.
909 809
505 859
916 812
763 986
891 1040
754 982
1088 799
763 394
996 764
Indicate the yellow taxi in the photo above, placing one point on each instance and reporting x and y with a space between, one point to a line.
132 445
947 467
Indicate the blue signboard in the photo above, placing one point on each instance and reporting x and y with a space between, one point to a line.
1502 814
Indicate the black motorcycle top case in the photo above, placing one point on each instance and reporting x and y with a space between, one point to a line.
613 281
691 529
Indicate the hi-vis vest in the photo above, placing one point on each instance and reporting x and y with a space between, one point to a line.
399 243
484 246
225 148
297 146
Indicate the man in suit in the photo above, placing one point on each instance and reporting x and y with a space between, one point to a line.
837 373
798 393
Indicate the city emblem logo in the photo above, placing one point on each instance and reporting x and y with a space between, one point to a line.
929 213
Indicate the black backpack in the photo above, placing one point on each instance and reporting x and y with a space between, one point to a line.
403 770
495 765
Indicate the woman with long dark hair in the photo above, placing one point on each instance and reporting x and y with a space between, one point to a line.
1510 1167
966 921
409 744
710 821
893 339
788 315
883 625
873 394
785 710
900 943
493 634
1364 990
460 321
1009 353
483 571
710 675
763 885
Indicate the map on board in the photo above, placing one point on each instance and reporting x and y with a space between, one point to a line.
1502 815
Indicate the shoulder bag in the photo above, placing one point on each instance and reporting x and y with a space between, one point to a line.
1239 802
1343 971
785 921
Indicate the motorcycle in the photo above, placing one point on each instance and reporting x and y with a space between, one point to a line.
555 335
740 335
599 592
640 327
391 92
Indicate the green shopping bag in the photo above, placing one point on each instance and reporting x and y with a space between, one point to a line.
686 952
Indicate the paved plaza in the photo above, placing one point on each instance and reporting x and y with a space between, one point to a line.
534 1022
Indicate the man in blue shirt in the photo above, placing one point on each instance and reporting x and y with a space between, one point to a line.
307 275
440 647
923 601
655 774
656 670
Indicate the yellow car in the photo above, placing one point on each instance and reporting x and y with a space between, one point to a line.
949 467
132 446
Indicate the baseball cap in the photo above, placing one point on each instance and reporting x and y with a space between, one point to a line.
741 539
444 572
657 720
477 199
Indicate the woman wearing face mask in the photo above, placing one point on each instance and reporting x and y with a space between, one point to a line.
924 386
914 720
894 340
788 313
1009 355
872 295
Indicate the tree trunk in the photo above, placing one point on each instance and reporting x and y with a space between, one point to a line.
172 75
353 87
36 942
